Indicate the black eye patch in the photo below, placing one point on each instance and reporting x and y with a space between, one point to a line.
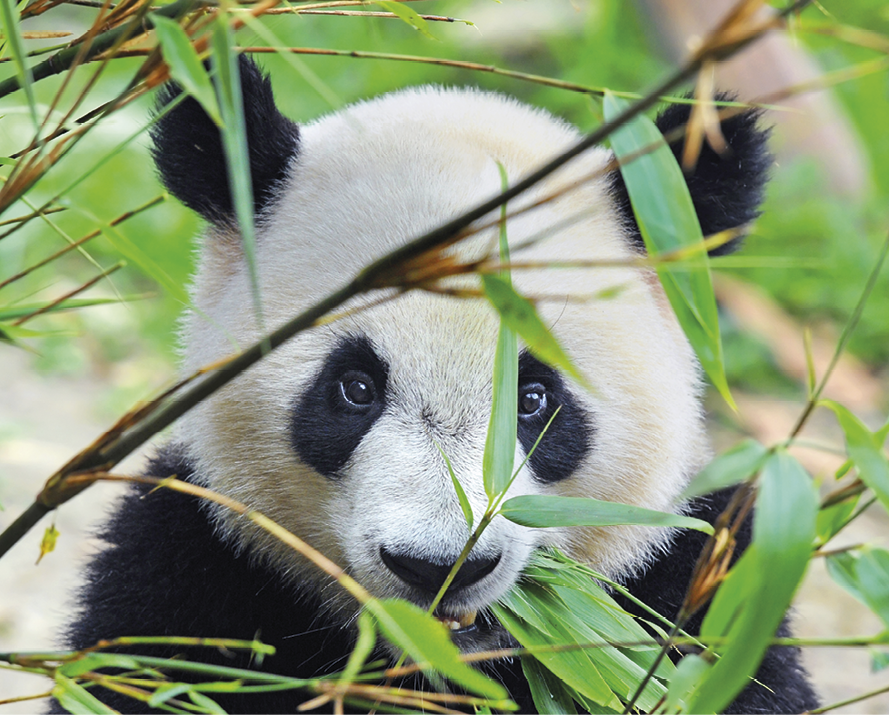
340 406
542 391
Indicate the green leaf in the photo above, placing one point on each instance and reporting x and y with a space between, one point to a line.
97 661
865 449
549 694
557 602
426 640
166 692
461 495
367 638
688 675
20 310
879 660
783 531
544 511
668 222
409 16
227 78
19 57
500 444
206 704
574 667
77 699
872 571
521 316
185 65
841 568
732 466
833 518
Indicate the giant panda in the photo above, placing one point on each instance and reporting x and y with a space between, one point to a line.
336 434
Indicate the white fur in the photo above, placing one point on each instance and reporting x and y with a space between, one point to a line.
367 180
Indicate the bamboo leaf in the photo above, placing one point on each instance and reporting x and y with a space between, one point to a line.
23 309
461 495
185 65
732 466
872 571
783 531
76 699
841 568
866 450
521 316
19 57
426 640
543 511
500 443
833 518
668 222
367 638
227 78
206 704
549 694
689 673
409 16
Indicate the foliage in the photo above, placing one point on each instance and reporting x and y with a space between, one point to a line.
68 220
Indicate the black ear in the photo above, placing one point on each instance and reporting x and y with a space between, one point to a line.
190 158
726 189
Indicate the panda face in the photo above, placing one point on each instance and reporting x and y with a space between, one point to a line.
338 435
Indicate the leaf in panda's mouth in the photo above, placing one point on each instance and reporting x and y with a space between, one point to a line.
463 622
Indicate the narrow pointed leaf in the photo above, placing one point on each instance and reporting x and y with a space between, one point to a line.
19 57
407 15
227 78
872 570
458 488
732 466
185 65
783 531
545 511
865 449
520 314
668 222
76 699
426 640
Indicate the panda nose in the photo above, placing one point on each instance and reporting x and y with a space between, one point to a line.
428 576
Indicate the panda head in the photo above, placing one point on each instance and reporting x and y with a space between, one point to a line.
338 435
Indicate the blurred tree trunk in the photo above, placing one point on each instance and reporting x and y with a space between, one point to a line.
816 128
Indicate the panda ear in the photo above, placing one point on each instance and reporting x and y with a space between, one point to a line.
726 189
190 157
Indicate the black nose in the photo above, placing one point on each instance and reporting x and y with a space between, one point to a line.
429 576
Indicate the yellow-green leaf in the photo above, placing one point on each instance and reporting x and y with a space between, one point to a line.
409 16
48 542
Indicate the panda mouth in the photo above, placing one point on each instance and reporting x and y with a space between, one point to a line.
463 623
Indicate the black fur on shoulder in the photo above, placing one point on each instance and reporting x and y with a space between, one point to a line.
167 573
190 157
726 189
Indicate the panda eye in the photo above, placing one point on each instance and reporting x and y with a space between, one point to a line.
532 400
357 390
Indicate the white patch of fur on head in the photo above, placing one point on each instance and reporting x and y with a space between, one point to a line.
367 180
